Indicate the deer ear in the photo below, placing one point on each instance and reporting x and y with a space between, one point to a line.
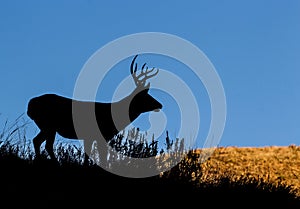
147 86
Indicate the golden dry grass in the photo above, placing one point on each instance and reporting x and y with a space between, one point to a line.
274 164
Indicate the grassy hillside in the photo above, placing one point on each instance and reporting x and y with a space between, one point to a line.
229 177
232 177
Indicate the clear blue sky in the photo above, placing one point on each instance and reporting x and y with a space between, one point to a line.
253 45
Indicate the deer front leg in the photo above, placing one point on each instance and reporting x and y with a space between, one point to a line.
87 147
103 152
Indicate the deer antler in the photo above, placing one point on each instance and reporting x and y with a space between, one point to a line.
145 72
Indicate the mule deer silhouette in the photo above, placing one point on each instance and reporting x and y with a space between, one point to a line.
53 114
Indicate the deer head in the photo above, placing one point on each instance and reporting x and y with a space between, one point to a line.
142 101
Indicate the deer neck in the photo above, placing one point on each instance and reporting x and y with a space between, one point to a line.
123 114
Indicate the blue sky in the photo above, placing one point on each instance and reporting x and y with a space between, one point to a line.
253 45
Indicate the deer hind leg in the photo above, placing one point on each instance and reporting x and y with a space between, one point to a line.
37 141
50 137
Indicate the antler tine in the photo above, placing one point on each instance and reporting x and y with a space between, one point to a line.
150 71
132 63
147 76
145 73
133 69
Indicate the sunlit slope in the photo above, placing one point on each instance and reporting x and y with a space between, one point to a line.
274 163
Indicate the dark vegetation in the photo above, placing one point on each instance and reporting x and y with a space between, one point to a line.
27 183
